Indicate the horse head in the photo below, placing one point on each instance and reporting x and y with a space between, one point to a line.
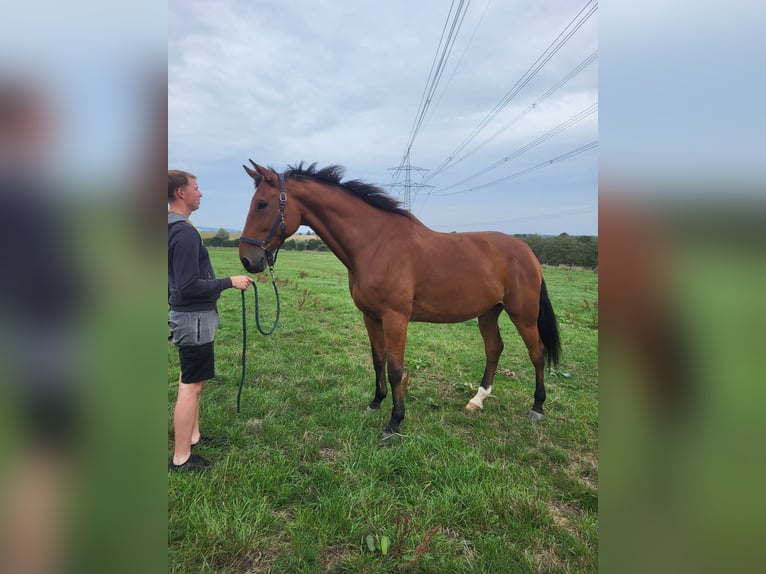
268 221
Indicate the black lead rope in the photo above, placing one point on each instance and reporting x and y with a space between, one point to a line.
258 326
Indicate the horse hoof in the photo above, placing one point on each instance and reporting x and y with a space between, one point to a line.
534 415
472 406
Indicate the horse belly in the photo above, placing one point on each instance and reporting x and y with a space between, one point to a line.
453 305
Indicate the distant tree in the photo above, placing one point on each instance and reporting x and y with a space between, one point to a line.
222 234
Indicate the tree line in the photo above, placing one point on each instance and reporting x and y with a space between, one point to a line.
564 249
221 239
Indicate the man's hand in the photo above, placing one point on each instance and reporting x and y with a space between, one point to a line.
241 282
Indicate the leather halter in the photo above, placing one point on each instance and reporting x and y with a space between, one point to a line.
279 222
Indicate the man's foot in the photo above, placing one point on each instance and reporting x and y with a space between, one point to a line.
193 464
211 441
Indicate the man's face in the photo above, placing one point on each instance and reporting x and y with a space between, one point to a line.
191 195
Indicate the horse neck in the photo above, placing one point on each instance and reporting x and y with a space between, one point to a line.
343 221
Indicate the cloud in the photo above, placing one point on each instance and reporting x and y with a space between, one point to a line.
331 83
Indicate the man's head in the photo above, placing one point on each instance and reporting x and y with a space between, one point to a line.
183 191
26 123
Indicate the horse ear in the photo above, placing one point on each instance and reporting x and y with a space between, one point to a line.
265 173
257 178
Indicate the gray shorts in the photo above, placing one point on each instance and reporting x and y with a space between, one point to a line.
193 333
192 328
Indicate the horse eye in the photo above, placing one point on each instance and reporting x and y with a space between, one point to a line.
261 204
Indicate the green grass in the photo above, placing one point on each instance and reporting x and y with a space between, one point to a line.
306 477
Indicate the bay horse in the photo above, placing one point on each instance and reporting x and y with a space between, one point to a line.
399 271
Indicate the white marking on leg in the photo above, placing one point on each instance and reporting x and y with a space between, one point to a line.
477 402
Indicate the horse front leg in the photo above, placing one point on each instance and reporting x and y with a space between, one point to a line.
395 335
493 347
378 344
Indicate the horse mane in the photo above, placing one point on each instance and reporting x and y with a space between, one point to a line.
333 175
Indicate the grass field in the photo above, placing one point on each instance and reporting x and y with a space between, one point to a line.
306 485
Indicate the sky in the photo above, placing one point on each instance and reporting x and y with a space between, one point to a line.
344 83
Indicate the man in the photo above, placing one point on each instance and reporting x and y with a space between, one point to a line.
193 292
42 301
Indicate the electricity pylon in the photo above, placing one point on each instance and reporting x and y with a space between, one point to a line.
407 185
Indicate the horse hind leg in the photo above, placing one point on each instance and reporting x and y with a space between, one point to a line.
531 337
493 347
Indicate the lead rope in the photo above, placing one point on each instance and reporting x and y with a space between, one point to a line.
258 326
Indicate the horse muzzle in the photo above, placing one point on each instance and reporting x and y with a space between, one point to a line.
254 267
253 259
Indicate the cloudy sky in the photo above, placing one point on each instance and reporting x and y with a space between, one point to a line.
344 82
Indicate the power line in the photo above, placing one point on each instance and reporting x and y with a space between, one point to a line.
525 217
590 110
443 51
550 162
533 106
437 69
571 74
465 50
569 30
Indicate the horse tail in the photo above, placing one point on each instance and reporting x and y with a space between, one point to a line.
548 328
